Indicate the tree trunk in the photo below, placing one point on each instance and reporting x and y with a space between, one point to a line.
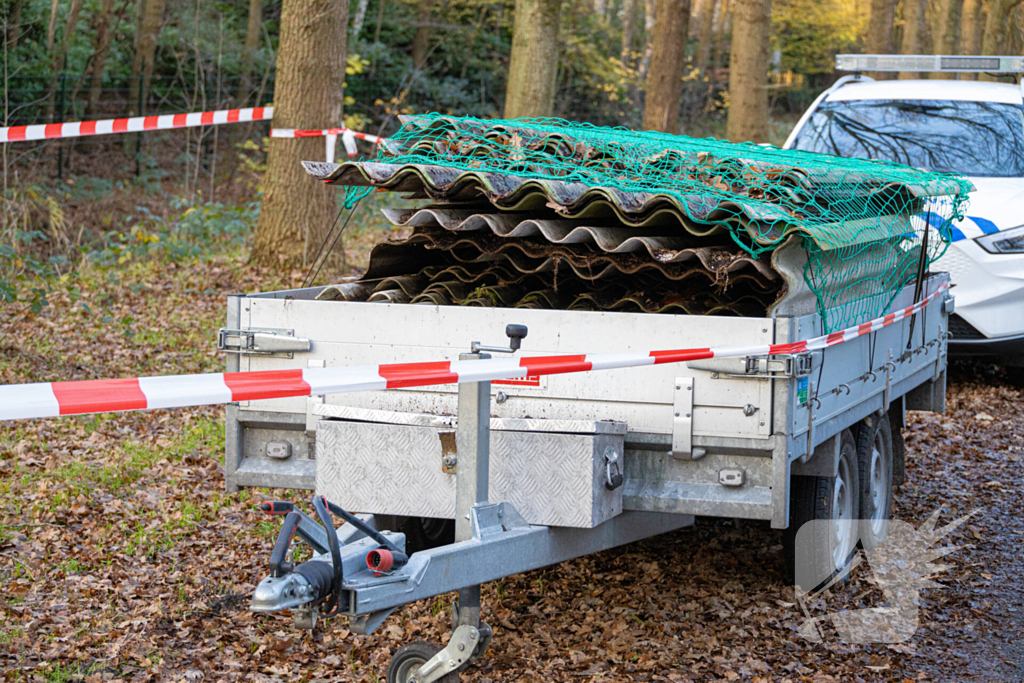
995 27
253 33
376 35
51 28
650 12
150 23
665 80
915 26
970 37
948 38
533 64
59 54
421 40
357 20
99 55
14 24
721 28
297 211
748 71
136 68
627 30
601 8
705 35
880 32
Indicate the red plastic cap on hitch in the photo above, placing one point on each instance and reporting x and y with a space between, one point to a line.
379 561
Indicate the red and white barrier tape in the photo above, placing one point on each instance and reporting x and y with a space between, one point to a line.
133 124
348 138
50 399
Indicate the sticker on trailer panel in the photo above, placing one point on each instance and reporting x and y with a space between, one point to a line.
801 390
529 381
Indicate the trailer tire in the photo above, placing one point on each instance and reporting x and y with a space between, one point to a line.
407 659
875 457
829 547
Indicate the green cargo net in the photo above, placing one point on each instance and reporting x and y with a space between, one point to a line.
862 223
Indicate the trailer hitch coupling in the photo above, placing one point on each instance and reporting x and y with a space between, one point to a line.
317 585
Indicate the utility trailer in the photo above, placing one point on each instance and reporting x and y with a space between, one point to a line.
446 487
723 437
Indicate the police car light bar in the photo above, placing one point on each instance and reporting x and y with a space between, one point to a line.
951 63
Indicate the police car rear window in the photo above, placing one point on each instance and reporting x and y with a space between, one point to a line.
970 138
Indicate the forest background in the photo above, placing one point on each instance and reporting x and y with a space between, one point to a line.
745 69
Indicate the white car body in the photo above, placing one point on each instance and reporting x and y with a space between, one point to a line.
989 288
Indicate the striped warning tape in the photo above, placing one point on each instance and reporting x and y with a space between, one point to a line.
50 399
348 138
134 124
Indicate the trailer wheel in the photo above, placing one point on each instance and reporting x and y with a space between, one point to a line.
819 553
407 660
875 456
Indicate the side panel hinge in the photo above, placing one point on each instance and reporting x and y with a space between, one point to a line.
261 341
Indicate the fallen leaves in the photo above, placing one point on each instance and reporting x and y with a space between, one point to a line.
122 559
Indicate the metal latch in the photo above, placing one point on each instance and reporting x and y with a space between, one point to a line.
613 477
949 304
261 341
755 367
682 422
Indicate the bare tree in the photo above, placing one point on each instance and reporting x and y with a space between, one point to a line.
533 64
748 71
970 34
881 37
665 80
297 212
915 28
705 34
421 39
650 12
627 29
14 24
947 35
51 27
101 47
253 33
721 28
59 52
150 23
995 26
359 18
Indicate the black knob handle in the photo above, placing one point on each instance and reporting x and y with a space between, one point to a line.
516 333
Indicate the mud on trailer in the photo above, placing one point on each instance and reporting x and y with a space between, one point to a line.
446 487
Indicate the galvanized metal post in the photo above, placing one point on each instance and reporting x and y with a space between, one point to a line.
473 453
473 449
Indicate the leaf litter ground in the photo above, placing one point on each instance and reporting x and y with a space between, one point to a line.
123 559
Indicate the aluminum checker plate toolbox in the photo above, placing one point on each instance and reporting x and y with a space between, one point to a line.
552 471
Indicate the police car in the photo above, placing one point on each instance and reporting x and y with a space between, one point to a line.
972 128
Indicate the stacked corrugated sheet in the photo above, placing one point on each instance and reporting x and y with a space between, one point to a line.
521 214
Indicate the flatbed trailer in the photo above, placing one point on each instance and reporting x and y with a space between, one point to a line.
543 469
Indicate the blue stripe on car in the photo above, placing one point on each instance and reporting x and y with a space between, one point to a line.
940 223
987 226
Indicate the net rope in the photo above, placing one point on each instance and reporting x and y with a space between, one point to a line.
860 221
